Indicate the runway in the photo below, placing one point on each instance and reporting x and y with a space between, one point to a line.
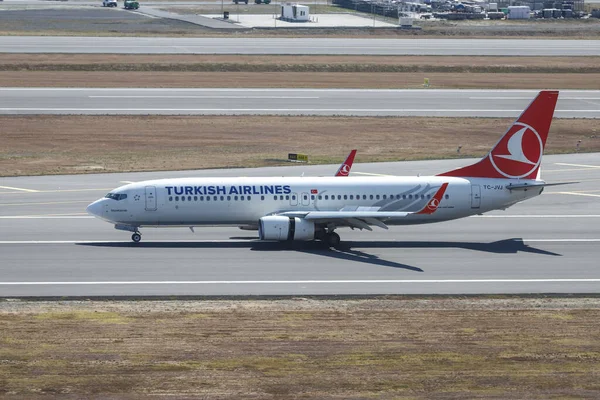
369 102
297 46
551 244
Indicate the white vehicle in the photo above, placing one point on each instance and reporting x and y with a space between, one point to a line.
109 3
309 208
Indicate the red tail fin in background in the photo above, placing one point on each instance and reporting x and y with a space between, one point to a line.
344 169
518 154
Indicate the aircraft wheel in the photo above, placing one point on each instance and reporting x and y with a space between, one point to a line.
333 239
136 237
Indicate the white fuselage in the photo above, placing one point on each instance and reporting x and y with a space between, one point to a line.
243 201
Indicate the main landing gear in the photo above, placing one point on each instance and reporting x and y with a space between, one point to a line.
136 237
332 239
329 237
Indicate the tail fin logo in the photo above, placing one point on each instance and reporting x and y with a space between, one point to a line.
433 204
344 170
519 152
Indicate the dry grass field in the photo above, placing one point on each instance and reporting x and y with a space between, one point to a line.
58 70
302 349
33 145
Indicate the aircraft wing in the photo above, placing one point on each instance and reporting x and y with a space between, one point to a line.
364 217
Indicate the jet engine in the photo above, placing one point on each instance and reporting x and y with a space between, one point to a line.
285 228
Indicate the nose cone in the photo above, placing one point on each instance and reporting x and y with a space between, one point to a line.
95 208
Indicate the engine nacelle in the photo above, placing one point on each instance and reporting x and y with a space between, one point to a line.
285 228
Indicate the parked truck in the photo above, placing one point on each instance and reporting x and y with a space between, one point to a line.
131 4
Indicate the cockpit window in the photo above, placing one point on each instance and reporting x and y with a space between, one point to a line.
116 196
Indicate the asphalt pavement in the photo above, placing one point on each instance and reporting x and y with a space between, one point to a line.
296 46
223 101
550 244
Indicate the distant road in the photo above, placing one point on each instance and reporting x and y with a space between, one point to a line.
154 45
440 103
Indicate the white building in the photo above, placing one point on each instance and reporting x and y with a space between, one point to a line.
294 12
519 12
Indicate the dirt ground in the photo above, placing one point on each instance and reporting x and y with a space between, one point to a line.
353 80
302 348
49 70
32 145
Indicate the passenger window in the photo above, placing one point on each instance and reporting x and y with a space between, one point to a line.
351 197
201 198
215 198
377 197
249 198
422 196
235 198
195 198
312 197
345 197
305 197
428 196
447 197
403 197
262 197
364 196
339 196
222 198
207 198
384 196
410 196
228 198
241 197
371 197
170 198
293 197
320 197
287 197
274 197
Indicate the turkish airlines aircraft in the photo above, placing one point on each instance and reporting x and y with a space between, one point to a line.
309 208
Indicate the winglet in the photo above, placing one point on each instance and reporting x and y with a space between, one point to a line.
434 203
518 154
344 169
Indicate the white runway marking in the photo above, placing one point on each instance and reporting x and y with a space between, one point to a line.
368 173
349 281
528 98
578 165
583 240
19 189
578 194
44 204
204 97
538 216
58 216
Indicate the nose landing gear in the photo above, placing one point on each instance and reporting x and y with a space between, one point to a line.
136 237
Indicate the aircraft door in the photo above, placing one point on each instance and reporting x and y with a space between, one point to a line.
475 196
294 199
305 199
150 198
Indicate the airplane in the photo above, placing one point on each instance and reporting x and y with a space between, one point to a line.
313 208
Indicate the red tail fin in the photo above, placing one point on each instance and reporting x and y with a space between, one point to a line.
518 154
344 169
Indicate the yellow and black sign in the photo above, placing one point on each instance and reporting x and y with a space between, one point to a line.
297 157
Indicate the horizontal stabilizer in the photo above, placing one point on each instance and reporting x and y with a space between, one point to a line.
527 185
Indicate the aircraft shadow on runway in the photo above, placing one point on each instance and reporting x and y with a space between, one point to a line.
346 250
